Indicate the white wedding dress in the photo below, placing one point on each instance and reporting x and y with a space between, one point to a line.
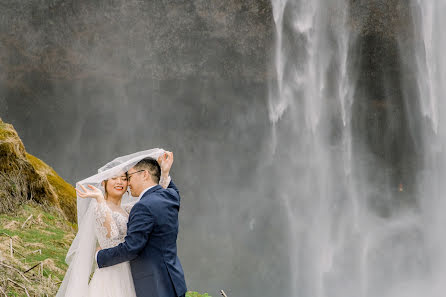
111 229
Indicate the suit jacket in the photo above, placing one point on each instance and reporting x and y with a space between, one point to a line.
151 245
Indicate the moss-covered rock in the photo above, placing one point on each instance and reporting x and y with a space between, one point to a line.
24 177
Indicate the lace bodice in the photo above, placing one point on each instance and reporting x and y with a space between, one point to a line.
110 226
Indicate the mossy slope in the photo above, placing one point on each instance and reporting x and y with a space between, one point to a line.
24 177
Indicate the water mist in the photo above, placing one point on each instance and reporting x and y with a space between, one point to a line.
360 156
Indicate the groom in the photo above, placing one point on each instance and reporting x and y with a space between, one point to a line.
152 229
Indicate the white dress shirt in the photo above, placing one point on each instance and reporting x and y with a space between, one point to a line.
144 191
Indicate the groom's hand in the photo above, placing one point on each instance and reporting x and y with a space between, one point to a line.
96 254
166 161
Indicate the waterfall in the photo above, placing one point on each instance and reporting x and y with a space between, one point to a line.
430 75
360 168
309 110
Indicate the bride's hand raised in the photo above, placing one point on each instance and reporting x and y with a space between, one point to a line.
166 161
92 192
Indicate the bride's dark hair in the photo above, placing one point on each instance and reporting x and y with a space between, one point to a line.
105 189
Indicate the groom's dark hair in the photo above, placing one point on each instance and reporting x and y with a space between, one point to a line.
152 166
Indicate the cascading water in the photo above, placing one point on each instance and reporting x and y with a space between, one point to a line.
359 178
430 69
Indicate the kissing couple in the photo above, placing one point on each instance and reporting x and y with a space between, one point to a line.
136 232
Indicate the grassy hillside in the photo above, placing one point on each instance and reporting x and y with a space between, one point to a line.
39 237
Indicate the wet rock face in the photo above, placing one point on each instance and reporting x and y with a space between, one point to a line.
134 39
388 18
96 64
387 122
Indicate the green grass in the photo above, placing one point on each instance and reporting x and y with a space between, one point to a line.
196 294
47 231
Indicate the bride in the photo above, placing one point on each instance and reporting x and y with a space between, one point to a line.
103 220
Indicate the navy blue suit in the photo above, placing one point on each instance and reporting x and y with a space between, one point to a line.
151 245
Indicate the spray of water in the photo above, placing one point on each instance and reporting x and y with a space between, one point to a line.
430 69
359 180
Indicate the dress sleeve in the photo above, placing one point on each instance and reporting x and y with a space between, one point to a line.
105 226
165 181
